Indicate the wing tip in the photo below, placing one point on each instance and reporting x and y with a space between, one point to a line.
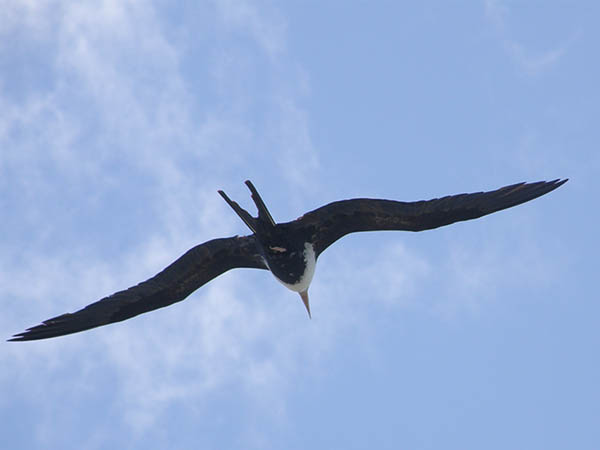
41 331
554 184
26 335
54 327
543 187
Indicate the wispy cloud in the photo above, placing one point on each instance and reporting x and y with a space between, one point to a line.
265 25
485 267
118 108
530 62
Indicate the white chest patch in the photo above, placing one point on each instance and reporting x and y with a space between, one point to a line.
307 276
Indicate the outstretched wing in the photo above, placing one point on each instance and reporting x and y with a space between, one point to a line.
196 267
327 224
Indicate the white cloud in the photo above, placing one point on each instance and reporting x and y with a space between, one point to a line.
530 62
265 25
350 280
297 157
533 64
31 14
487 266
118 103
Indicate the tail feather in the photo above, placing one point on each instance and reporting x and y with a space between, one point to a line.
244 215
263 213
259 225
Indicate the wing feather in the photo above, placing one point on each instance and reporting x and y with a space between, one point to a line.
195 268
327 224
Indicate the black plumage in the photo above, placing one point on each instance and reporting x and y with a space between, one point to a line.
289 250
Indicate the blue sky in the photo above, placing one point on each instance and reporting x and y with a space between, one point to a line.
119 120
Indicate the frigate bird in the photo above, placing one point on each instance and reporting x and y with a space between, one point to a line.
289 250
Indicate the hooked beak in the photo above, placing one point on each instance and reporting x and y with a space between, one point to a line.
304 296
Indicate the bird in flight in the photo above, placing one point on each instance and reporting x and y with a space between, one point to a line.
289 250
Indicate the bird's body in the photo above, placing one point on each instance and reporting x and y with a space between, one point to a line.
295 271
288 250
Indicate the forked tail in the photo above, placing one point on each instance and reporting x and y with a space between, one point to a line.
256 224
